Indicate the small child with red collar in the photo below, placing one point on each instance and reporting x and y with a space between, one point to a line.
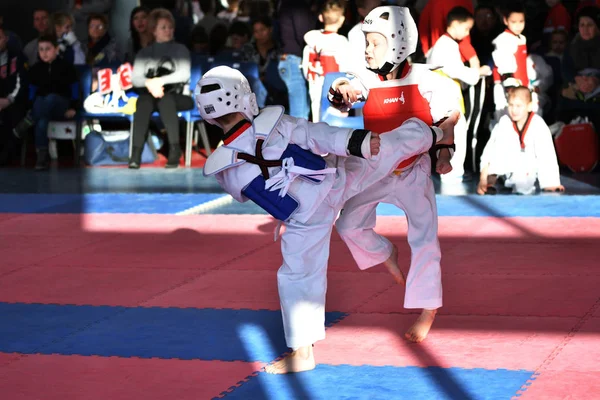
325 51
513 67
520 151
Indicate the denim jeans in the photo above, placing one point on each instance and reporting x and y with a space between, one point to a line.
291 74
46 109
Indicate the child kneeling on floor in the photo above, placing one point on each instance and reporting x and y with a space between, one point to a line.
520 151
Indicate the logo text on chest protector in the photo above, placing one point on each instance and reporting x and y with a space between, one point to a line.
390 100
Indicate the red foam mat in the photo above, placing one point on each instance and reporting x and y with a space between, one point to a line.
454 341
582 351
541 295
258 290
77 377
93 286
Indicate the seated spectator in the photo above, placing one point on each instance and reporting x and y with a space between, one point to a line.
584 51
161 74
14 41
12 97
41 24
265 53
102 48
140 34
520 151
199 43
69 46
53 81
217 40
81 11
239 34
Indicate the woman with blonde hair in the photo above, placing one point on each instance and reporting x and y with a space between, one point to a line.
161 74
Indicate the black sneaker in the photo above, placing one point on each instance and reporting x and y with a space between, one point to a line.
23 126
43 160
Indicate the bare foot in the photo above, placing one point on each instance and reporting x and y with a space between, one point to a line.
300 360
392 265
448 128
419 330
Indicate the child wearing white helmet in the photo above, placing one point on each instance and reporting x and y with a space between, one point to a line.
277 162
395 91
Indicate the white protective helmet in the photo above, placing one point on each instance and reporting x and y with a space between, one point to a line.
398 27
224 90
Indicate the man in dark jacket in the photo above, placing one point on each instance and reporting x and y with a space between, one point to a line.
295 19
12 96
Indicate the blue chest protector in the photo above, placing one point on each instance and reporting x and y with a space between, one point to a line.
283 207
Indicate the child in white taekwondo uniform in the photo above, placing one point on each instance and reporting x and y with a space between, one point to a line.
301 173
520 151
396 91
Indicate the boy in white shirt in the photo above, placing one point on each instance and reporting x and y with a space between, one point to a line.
325 51
445 53
520 151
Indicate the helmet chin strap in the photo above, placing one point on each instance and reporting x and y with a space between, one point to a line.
387 68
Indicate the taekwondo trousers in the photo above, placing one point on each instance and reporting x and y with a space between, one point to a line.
302 279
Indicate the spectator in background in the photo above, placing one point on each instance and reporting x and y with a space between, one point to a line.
41 23
82 9
12 97
53 80
238 35
69 45
584 51
161 74
264 51
101 47
295 19
199 43
14 41
141 36
486 28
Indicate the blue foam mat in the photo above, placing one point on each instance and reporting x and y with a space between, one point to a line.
185 333
469 206
137 203
369 382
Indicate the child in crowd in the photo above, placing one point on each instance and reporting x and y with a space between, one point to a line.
445 53
325 51
395 91
263 154
53 81
513 67
520 151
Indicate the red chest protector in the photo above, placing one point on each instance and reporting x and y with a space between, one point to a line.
328 63
521 59
388 107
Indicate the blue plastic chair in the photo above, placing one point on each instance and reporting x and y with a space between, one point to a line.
326 114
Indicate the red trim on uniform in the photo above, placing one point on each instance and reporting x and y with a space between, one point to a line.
327 32
511 32
523 131
236 131
405 70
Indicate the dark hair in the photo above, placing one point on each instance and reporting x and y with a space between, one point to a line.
266 21
135 36
458 14
514 7
97 17
239 28
48 39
